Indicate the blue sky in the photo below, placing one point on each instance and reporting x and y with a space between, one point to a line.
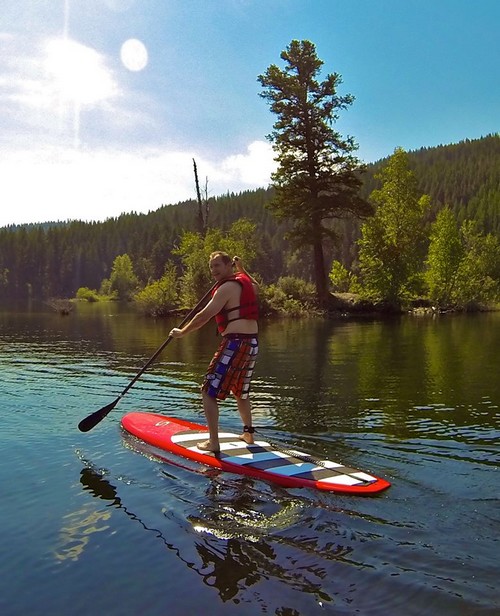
106 102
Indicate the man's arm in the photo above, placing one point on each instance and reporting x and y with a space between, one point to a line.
214 306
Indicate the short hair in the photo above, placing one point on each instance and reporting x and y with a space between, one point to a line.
223 255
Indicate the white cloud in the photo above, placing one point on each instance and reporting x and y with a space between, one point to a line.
70 184
57 95
254 167
74 184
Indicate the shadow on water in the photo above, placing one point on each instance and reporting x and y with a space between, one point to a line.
233 553
101 488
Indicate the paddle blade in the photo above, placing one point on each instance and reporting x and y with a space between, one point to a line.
92 420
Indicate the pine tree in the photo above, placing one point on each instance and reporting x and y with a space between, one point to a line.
318 178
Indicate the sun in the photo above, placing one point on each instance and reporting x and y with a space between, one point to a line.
78 73
134 55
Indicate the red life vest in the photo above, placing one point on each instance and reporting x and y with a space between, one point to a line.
248 302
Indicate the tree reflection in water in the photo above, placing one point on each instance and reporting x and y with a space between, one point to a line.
238 546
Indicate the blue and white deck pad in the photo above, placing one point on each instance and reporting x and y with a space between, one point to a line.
264 456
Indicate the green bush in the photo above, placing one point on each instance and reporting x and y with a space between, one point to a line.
86 294
297 288
289 296
159 297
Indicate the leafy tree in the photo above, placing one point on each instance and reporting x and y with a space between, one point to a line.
343 280
463 264
444 257
160 296
391 247
105 288
123 280
195 250
478 276
145 270
318 177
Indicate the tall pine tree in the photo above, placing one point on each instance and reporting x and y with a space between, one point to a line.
318 177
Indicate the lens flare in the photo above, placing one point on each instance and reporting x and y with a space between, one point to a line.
134 55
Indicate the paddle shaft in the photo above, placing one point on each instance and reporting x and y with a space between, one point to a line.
92 420
186 319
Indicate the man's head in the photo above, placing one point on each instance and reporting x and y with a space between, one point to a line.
220 264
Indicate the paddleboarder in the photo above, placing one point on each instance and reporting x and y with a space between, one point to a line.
234 304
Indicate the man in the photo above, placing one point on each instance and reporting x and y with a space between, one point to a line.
234 306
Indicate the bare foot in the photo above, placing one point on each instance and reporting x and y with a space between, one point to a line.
207 446
247 437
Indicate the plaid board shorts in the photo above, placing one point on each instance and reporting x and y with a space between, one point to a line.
231 368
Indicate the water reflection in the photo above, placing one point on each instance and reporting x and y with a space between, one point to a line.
413 400
403 376
77 530
235 553
388 376
99 487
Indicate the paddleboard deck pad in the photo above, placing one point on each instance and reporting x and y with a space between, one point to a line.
262 460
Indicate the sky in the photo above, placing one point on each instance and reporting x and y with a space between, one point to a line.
104 104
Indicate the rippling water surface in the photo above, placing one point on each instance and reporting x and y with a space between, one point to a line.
99 523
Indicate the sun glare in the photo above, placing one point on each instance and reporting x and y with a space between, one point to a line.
78 72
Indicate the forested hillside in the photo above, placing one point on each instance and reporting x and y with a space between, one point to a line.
464 176
54 260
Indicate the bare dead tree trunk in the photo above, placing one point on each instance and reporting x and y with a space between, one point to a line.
201 223
203 207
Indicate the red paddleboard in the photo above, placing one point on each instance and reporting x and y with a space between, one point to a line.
262 460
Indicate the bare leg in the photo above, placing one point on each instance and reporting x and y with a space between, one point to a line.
245 410
211 408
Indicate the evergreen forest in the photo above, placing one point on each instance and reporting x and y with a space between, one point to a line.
56 259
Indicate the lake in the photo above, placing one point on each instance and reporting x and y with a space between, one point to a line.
95 523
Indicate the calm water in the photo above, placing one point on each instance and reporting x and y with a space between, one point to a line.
96 524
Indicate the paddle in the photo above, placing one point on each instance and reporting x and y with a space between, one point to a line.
92 420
